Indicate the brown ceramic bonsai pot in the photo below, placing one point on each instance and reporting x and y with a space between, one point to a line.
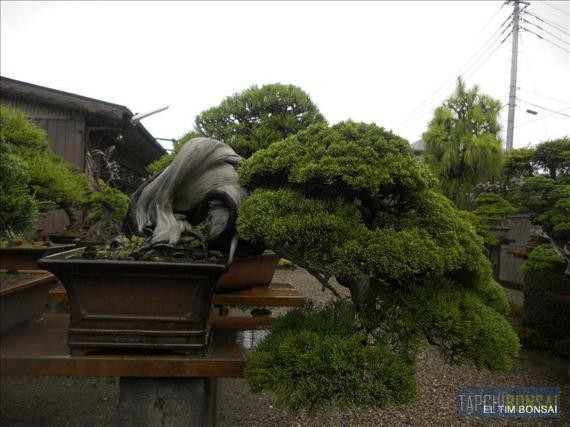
25 299
24 257
136 304
248 272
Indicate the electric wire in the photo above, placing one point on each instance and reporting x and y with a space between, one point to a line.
544 96
546 31
545 39
434 99
542 118
408 123
421 106
555 8
543 108
533 79
555 26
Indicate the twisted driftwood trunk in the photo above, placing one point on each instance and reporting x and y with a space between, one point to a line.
201 179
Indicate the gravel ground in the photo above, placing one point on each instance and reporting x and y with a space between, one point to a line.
93 402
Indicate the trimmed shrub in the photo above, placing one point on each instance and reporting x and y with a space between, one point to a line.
544 311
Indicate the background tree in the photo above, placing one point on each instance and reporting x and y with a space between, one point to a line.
351 201
545 196
517 165
553 156
250 120
259 116
463 147
54 183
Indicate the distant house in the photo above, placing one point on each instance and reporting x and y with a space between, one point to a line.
419 147
76 124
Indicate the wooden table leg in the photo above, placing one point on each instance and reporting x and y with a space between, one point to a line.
169 402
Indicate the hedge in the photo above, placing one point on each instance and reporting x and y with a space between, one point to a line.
546 307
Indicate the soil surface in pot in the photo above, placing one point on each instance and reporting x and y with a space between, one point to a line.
26 245
8 279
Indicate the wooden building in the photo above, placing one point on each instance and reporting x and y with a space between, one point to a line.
76 124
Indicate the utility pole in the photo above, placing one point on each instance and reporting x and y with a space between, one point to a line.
514 62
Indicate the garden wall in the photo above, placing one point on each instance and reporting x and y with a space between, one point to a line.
513 253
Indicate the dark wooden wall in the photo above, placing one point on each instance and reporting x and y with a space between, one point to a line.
66 140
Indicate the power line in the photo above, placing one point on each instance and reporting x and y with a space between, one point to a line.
555 26
488 56
544 108
544 96
546 31
428 103
545 39
408 123
531 67
555 8
542 118
422 105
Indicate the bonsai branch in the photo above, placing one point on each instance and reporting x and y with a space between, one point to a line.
322 277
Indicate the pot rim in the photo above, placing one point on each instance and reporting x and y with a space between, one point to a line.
40 248
62 259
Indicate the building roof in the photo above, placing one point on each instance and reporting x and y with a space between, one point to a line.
419 147
88 106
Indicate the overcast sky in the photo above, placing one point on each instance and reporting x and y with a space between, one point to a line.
390 63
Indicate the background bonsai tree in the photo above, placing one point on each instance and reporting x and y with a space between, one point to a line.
252 119
18 209
351 201
53 181
106 205
463 147
537 181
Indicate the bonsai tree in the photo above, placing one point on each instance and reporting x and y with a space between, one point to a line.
107 205
463 147
18 209
351 201
53 182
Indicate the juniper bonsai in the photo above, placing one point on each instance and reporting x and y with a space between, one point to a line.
351 201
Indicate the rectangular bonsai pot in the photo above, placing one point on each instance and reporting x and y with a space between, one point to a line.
21 257
24 300
136 304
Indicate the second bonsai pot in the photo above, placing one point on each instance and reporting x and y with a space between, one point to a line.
24 299
23 257
248 272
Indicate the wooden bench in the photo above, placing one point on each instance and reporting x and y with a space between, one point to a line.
147 379
40 349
